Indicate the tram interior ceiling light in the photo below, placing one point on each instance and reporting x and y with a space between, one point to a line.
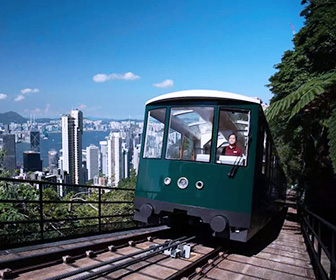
182 183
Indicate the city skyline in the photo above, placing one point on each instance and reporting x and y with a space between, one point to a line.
69 161
108 58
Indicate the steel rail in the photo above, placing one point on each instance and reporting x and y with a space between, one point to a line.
108 270
160 247
189 270
28 263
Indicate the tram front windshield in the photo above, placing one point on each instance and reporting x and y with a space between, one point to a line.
190 133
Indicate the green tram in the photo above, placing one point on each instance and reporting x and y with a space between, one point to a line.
185 168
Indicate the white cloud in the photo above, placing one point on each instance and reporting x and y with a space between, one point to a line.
82 106
101 77
19 98
3 96
29 90
164 84
129 76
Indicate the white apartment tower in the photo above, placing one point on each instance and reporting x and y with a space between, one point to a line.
125 161
136 157
92 161
72 132
103 157
114 159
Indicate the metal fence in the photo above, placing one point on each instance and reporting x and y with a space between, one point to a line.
38 211
319 236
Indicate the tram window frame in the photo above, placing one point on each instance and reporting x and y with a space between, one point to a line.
264 154
188 136
269 159
161 131
245 148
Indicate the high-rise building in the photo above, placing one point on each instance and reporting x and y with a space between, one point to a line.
32 161
8 146
136 157
72 131
125 161
114 159
52 160
128 150
92 161
35 140
103 157
84 173
137 139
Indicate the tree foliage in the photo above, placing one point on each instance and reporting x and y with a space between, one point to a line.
302 112
67 216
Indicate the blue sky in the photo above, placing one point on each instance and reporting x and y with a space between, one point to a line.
109 57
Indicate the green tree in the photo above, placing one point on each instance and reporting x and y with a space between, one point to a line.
302 112
18 211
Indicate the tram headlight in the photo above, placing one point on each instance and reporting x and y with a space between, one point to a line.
199 185
167 181
182 183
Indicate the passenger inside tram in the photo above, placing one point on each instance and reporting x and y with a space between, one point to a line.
232 139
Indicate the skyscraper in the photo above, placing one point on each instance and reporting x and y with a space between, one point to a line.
32 161
8 146
125 161
136 157
52 160
72 132
115 159
92 161
35 140
103 157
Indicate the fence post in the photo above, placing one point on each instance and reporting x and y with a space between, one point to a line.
312 223
318 243
332 269
41 210
99 209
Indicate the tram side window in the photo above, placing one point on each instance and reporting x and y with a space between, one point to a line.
154 133
233 135
190 133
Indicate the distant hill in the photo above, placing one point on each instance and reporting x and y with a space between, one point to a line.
7 118
46 120
111 120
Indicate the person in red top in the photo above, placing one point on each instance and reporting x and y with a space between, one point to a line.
232 149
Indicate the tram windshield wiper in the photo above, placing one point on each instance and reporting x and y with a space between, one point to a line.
235 166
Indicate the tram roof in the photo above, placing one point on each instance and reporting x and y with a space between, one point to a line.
203 94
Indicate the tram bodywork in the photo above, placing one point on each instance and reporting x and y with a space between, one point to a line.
183 169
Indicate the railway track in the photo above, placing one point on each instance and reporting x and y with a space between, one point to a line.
136 257
272 254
